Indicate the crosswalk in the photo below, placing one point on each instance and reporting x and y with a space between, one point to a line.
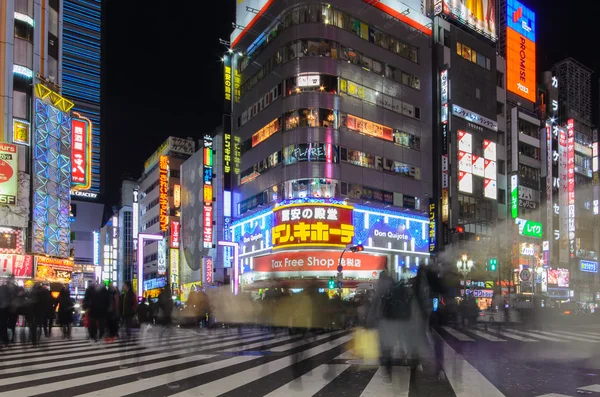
244 363
507 334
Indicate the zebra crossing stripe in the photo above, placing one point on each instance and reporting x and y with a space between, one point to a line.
465 380
239 379
536 335
310 383
569 337
487 336
587 337
517 337
458 335
554 395
284 348
399 386
592 388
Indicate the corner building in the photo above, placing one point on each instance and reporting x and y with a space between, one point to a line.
331 106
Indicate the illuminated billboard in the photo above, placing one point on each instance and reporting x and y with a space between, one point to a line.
18 266
9 174
478 15
207 192
520 50
369 128
305 223
571 184
175 237
53 269
21 132
81 152
163 191
411 12
261 135
245 19
51 177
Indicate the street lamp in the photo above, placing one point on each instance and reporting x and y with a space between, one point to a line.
464 266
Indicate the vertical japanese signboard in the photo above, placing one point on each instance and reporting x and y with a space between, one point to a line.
432 225
163 192
9 167
81 154
445 163
227 83
520 50
514 196
208 269
227 153
175 239
571 184
208 193
162 257
563 196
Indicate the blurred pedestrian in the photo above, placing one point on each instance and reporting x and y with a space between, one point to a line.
112 314
65 312
143 312
36 311
165 312
128 306
5 302
96 302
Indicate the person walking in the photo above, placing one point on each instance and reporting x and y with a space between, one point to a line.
112 314
65 312
96 302
128 306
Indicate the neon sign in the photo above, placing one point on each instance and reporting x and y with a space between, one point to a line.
81 152
571 184
208 193
163 197
312 224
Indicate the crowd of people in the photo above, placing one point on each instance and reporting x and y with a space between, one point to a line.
38 309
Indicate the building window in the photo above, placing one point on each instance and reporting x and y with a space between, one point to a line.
529 151
501 196
477 93
499 108
20 105
472 56
501 167
528 129
500 79
23 53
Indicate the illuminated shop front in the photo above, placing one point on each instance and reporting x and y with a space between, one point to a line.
301 240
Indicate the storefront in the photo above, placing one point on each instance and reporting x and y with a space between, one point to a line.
301 241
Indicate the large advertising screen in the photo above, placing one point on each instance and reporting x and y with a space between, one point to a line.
9 174
53 269
520 50
479 15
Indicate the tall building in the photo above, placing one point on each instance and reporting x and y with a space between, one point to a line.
129 196
36 124
159 201
470 172
330 108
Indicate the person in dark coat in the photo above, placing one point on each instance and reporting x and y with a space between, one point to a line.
112 315
143 312
127 307
38 311
96 302
65 312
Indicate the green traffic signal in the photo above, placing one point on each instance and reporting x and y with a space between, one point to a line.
493 264
331 283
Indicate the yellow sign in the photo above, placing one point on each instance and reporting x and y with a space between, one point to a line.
55 99
265 132
21 131
163 198
174 265
237 82
445 205
227 82
208 193
152 293
227 154
177 196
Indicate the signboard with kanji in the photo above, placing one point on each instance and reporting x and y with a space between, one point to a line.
311 225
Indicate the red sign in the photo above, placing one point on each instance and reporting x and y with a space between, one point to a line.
20 266
312 224
370 128
209 269
163 192
80 153
175 239
208 226
319 261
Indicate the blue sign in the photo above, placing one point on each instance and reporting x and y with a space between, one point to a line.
386 230
588 266
521 19
155 283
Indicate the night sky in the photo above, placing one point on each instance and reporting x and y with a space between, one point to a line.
162 70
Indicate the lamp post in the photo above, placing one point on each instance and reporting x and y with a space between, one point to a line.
464 266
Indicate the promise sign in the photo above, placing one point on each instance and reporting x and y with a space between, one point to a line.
163 198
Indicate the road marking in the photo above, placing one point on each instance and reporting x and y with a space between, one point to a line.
570 337
283 348
399 386
309 383
594 388
458 335
536 335
579 334
517 337
487 336
465 380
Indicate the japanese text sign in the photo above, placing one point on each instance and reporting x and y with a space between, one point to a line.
9 166
312 224
163 198
175 238
81 153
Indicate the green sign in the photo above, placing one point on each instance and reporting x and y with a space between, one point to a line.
530 228
514 196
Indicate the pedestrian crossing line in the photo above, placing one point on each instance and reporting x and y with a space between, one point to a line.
592 388
287 347
590 333
62 383
310 383
569 337
465 380
489 337
133 352
458 335
536 335
554 395
258 344
517 337
587 337
226 384
399 386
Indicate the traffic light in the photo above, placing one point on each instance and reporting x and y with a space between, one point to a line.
357 248
493 264
331 283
